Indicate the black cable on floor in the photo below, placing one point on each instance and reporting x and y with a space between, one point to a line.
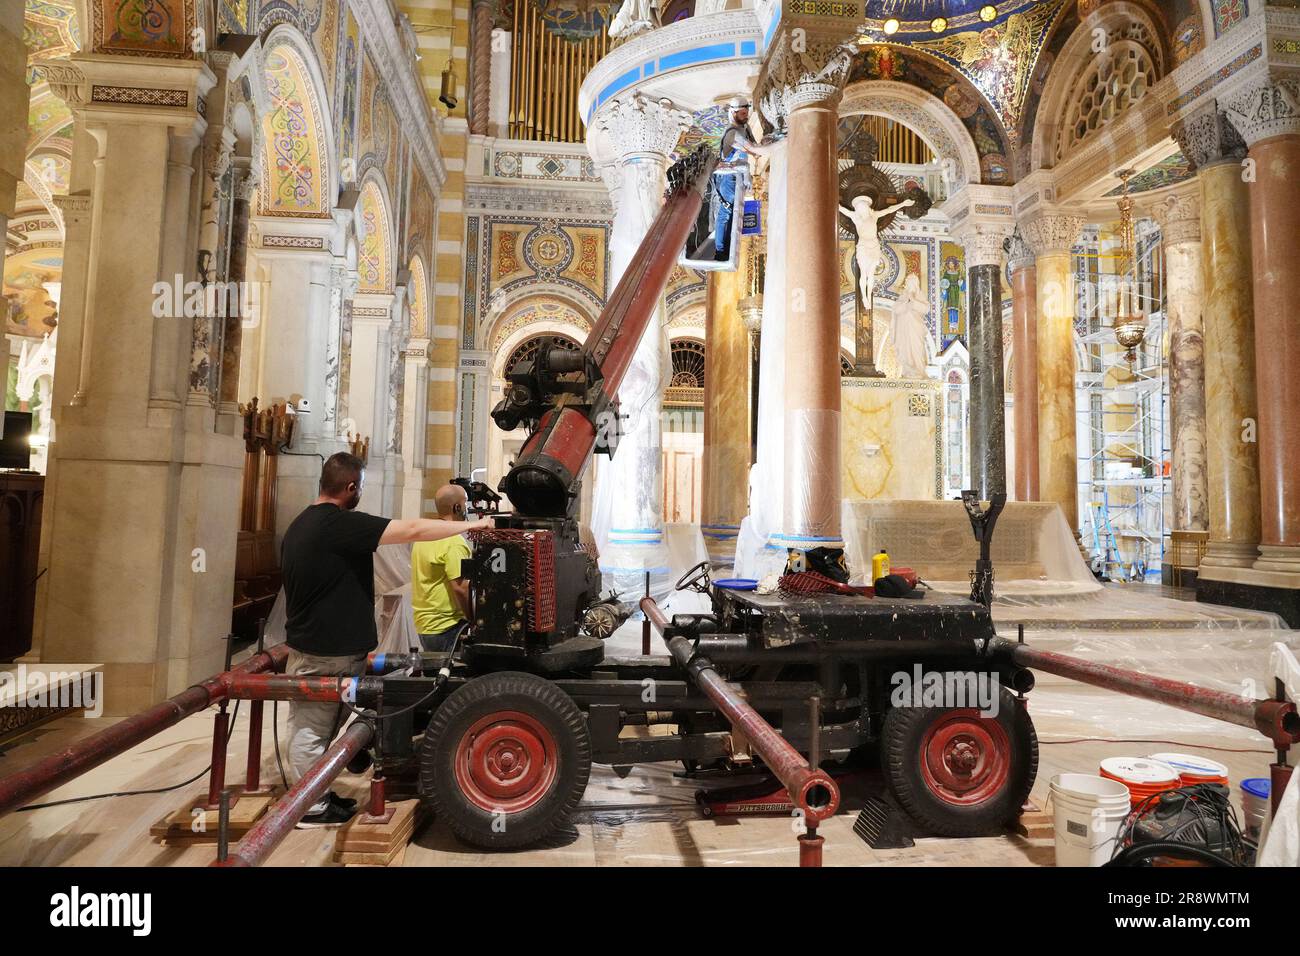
134 793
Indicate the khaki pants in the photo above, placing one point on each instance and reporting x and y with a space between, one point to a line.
312 726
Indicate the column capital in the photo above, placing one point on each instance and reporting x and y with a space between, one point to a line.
639 127
810 76
983 241
1019 253
1268 107
1052 232
1179 218
131 89
1207 138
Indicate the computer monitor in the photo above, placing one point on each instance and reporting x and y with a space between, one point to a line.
15 440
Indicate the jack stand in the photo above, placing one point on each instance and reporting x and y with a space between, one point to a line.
810 848
377 811
220 737
982 522
253 772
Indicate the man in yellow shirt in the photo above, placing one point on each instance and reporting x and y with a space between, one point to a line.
440 578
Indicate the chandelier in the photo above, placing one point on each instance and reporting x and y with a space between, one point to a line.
1130 319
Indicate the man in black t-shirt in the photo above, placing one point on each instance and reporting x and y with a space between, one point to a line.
327 557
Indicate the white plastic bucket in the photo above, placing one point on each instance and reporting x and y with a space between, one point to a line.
1088 811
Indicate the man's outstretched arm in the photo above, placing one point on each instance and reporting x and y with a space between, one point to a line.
429 529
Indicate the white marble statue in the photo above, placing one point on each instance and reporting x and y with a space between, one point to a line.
634 17
866 221
913 344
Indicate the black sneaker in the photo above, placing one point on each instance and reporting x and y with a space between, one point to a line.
332 816
360 763
347 803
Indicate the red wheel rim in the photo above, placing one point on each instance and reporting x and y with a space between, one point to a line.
965 758
506 761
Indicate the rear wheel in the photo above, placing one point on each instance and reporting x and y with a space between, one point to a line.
505 760
956 772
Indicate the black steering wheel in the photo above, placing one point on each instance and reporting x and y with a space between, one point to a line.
695 579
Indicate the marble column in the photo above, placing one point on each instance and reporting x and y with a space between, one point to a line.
1179 218
1227 309
1052 236
811 513
244 188
14 94
987 434
726 417
628 508
1267 115
480 97
1024 363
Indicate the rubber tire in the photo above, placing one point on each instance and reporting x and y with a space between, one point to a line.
900 756
507 690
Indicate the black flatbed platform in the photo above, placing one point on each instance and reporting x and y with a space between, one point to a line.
782 619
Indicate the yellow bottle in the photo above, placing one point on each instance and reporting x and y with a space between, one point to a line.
879 565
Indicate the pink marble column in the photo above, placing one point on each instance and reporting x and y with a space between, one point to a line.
812 355
1268 120
1024 364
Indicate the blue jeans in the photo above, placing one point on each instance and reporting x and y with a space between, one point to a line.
443 640
726 187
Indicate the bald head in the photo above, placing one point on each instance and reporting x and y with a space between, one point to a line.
450 501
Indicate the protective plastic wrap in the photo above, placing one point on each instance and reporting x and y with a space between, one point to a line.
812 514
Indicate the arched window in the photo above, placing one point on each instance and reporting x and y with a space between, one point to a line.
686 387
527 350
1112 83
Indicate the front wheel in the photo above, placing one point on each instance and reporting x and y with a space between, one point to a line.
505 760
956 772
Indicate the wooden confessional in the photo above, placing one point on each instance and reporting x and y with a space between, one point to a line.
257 562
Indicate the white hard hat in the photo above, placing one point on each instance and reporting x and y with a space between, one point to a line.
737 103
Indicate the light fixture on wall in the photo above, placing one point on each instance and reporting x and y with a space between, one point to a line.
891 26
447 91
447 96
938 24
988 13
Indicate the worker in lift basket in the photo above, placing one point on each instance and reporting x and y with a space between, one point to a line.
734 152
327 557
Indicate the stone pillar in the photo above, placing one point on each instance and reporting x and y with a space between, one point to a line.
1024 363
1267 115
628 519
1052 236
987 433
811 514
414 414
14 93
1215 150
480 65
1179 218
244 188
726 418
142 489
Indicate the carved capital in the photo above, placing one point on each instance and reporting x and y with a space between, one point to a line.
1019 252
983 242
1052 233
639 126
812 75
1267 108
1206 138
66 80
1179 218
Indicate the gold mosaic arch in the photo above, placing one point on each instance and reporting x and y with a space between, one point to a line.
419 294
374 237
294 171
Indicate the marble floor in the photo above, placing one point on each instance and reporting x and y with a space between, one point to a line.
650 818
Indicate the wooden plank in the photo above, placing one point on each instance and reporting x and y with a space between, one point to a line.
377 844
181 826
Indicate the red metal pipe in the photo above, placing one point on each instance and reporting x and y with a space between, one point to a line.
217 770
321 690
810 849
21 788
811 789
266 835
253 773
1275 719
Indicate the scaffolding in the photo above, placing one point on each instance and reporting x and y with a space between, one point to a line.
1123 395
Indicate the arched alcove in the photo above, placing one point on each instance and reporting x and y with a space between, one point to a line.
296 142
374 239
